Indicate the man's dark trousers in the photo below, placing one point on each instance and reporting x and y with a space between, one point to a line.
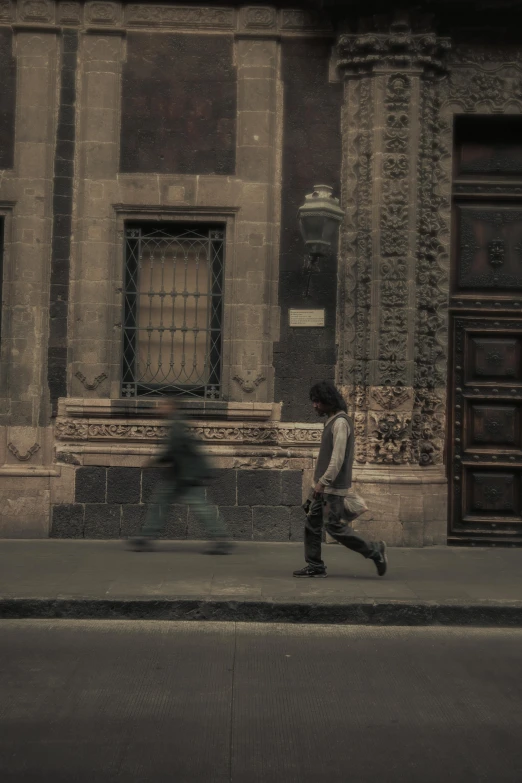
333 507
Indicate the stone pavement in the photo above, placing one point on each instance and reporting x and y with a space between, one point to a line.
100 579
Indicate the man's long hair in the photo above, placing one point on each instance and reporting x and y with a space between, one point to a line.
329 395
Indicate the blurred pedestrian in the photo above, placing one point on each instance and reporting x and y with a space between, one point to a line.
186 470
332 480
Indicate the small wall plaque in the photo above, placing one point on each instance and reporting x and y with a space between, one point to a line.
306 317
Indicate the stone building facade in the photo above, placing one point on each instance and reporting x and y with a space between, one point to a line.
152 160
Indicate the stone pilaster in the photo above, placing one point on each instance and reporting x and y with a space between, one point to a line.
254 280
388 299
27 188
93 318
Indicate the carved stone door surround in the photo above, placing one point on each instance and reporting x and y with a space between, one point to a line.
394 259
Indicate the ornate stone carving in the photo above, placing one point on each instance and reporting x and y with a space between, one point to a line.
180 16
433 240
398 47
6 10
249 385
90 386
389 398
296 19
101 13
69 13
36 11
260 17
28 454
389 440
84 430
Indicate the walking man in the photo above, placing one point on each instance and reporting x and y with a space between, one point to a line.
186 470
332 480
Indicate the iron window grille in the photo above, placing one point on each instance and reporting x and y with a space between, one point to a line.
173 305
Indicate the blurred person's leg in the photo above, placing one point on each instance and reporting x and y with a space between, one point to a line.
163 495
210 518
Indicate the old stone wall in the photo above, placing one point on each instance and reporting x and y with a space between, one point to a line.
113 113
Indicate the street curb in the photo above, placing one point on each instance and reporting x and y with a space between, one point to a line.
490 613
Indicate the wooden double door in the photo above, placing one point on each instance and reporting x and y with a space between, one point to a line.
484 451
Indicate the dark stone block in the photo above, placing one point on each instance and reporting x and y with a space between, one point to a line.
271 523
67 521
67 115
61 249
123 485
259 487
196 530
238 520
65 150
297 523
63 168
90 485
62 225
68 79
69 60
189 126
102 520
7 99
67 97
222 489
70 41
177 523
149 480
58 310
66 132
132 519
57 330
291 487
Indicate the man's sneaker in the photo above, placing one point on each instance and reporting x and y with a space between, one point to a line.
311 572
221 548
381 559
140 544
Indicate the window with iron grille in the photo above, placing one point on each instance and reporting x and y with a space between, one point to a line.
173 301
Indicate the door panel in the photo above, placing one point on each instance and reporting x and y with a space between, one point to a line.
490 247
485 454
492 426
485 379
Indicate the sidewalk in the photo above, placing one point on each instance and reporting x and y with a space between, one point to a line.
100 579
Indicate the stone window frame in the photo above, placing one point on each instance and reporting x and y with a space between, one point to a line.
221 216
7 271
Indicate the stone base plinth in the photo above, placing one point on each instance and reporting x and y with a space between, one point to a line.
408 505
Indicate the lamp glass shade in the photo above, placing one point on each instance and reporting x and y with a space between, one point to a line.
319 219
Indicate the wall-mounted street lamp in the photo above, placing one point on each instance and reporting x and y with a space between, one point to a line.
319 219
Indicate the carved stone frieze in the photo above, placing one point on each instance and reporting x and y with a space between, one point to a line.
6 10
260 17
180 16
102 13
276 434
36 11
27 455
69 13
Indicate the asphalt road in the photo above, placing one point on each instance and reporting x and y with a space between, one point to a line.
130 701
